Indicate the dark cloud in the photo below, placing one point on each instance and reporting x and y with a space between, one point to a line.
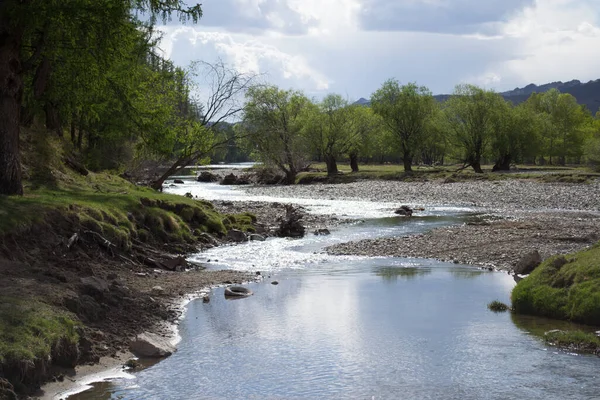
253 16
439 16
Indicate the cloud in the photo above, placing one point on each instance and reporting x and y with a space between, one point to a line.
255 16
246 53
554 40
440 16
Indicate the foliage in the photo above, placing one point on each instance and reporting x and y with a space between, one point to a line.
272 126
405 111
563 127
472 119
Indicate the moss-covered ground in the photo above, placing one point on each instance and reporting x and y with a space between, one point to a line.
563 288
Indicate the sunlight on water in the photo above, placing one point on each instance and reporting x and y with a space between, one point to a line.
352 209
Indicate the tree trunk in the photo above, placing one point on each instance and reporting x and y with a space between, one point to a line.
502 164
331 165
354 162
11 91
477 167
53 119
407 161
173 169
290 177
73 129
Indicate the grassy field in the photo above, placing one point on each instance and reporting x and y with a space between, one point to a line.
450 173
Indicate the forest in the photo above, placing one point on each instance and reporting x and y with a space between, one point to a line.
89 74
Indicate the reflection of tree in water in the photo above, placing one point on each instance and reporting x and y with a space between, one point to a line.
466 273
392 273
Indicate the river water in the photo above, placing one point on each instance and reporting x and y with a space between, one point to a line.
356 327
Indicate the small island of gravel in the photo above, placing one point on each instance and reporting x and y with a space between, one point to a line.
518 216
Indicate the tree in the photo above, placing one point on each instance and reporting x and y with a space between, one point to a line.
365 131
405 111
515 135
25 42
272 124
332 130
565 119
195 140
471 115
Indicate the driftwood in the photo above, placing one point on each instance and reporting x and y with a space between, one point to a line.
76 166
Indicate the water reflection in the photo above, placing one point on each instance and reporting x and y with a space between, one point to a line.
393 273
467 273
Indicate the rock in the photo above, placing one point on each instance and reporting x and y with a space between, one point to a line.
405 211
257 237
206 176
178 181
205 299
158 290
208 239
230 179
151 345
236 235
94 287
86 307
174 264
528 263
322 232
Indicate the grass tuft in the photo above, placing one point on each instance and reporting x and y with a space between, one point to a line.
497 306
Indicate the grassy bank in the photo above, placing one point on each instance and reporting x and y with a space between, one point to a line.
112 223
447 174
563 288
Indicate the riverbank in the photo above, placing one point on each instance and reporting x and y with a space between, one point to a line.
90 261
518 217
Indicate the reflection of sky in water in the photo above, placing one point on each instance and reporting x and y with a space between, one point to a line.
360 336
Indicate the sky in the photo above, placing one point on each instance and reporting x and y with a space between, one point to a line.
351 47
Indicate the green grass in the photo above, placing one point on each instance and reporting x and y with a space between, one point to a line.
574 340
29 329
497 306
448 174
563 288
118 210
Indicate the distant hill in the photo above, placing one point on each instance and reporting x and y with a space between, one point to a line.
587 94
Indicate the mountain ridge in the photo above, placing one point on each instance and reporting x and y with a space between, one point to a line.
587 94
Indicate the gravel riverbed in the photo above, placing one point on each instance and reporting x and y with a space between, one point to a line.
553 218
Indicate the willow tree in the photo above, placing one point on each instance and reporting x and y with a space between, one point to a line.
471 114
405 111
28 34
565 120
273 126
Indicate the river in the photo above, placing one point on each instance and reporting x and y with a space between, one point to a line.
355 327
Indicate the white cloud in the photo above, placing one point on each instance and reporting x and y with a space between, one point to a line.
555 40
246 53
